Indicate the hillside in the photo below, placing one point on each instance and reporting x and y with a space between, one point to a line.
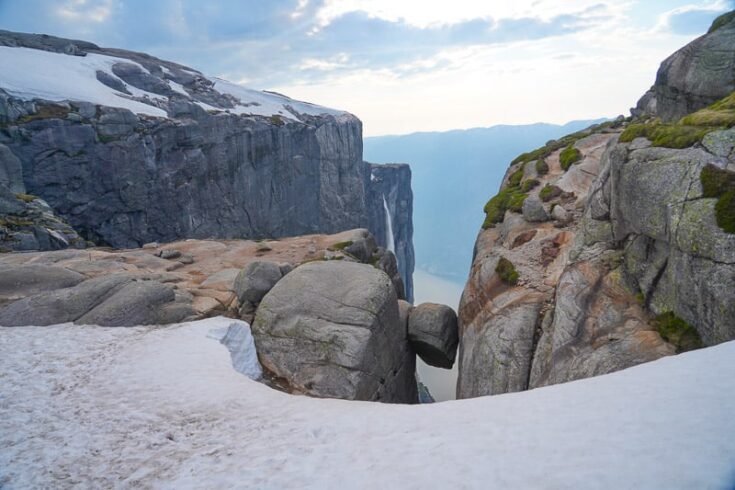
612 246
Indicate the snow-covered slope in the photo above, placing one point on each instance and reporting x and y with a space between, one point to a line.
163 407
30 74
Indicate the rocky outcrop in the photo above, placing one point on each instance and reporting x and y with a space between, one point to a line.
332 329
148 150
158 284
694 77
637 256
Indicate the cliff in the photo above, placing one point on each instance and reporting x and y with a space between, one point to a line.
130 149
612 246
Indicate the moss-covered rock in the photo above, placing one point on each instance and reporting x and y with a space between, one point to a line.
542 168
677 332
507 271
529 184
549 192
720 183
722 21
689 130
569 156
510 198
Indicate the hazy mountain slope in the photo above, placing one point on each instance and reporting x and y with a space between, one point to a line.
453 173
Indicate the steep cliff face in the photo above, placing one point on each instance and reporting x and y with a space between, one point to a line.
131 149
390 215
609 248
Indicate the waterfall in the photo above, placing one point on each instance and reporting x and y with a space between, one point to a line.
389 227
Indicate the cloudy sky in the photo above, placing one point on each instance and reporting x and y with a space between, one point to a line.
403 65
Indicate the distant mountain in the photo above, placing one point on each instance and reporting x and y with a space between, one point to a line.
454 172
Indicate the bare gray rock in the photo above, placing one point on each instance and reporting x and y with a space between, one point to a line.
533 210
255 280
694 77
332 329
17 281
432 332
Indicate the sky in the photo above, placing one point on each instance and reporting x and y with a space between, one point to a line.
403 66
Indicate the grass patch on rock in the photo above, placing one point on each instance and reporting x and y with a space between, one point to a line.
45 111
507 271
720 183
721 21
26 197
542 168
340 245
549 192
510 198
569 156
529 184
677 332
689 130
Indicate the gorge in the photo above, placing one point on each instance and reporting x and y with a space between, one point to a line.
204 285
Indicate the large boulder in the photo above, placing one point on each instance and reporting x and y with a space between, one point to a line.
332 329
432 331
694 77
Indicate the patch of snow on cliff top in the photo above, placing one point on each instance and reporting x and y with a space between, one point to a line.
31 73
260 103
163 407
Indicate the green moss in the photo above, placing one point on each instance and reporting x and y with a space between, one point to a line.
510 198
106 139
507 271
45 111
725 212
569 156
640 298
677 332
720 183
722 21
689 130
716 181
542 168
529 184
13 222
26 197
634 131
515 178
549 192
340 245
276 120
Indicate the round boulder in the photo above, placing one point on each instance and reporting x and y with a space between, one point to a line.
255 280
433 333
332 329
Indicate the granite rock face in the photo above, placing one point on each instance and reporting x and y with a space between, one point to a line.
634 237
192 157
332 329
694 77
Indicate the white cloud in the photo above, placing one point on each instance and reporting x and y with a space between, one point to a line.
85 10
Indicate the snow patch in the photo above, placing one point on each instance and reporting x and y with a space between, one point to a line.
236 336
34 74
157 407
